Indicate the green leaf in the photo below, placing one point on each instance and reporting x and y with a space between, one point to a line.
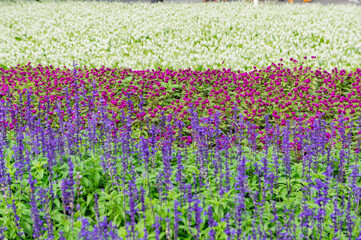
40 173
27 227
96 178
89 199
57 202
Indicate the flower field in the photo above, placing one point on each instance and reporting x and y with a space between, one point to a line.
178 36
179 121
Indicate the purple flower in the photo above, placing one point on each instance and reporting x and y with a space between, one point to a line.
62 236
179 175
142 194
211 222
133 195
2 230
350 220
198 212
35 214
176 218
287 160
157 227
17 219
67 190
103 230
229 231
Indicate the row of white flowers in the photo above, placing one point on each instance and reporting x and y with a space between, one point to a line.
178 36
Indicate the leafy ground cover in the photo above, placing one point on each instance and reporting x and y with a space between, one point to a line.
69 183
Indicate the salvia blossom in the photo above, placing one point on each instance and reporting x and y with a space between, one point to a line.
67 190
211 222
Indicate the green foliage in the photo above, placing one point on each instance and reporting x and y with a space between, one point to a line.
112 198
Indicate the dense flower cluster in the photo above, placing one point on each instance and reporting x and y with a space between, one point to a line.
100 182
284 91
178 36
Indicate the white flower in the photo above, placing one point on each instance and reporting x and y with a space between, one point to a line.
142 36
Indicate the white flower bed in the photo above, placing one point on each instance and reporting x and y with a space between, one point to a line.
197 36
